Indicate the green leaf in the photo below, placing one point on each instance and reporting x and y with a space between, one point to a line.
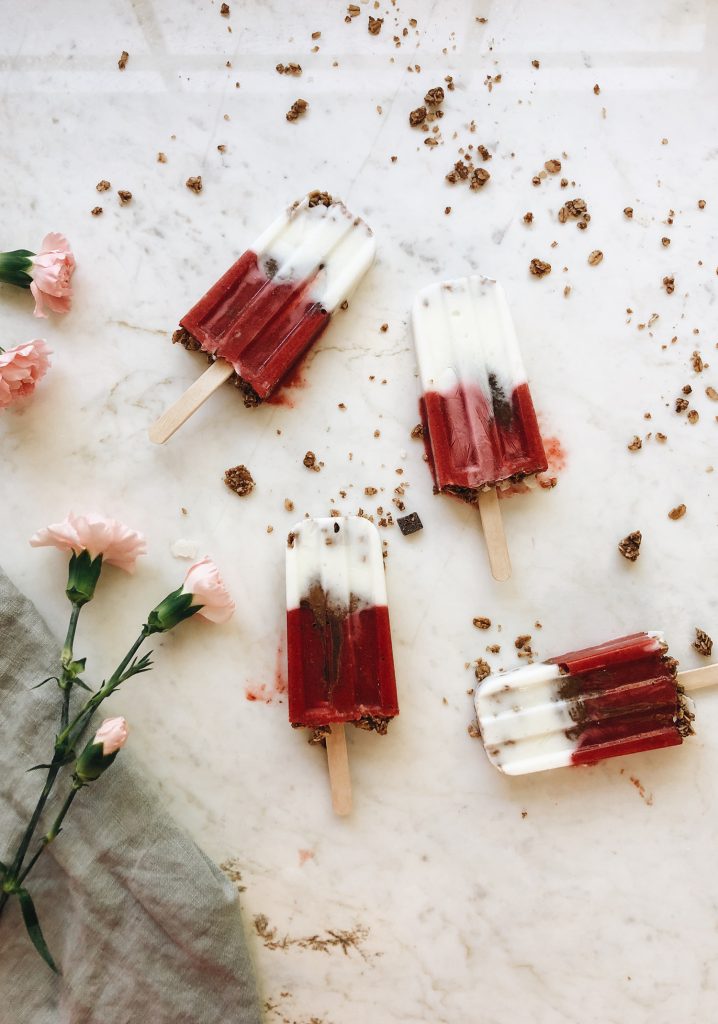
37 767
32 924
78 682
38 685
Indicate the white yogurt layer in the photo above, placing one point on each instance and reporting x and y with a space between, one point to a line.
463 332
304 238
523 720
343 554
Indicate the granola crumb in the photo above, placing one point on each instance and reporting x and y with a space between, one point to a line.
712 394
297 109
703 643
697 362
553 166
125 196
239 480
482 670
628 211
122 62
494 648
417 117
636 444
375 25
161 158
481 622
630 546
669 283
661 437
528 217
566 291
678 512
289 69
103 186
310 461
539 268
535 64
595 257
288 505
434 97
522 641
224 10
665 242
417 432
597 89
693 416
479 177
96 211
701 204
194 184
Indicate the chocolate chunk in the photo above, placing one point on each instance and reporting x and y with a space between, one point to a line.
410 524
703 643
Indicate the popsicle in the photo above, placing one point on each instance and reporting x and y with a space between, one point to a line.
263 314
619 697
340 661
480 428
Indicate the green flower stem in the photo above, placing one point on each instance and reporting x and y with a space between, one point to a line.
54 830
11 876
66 679
74 731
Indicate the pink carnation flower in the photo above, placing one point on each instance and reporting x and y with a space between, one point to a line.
117 543
51 271
20 370
112 734
205 585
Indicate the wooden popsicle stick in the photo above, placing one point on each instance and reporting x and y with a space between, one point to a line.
173 418
338 761
493 525
698 678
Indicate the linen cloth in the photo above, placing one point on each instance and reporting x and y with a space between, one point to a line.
142 925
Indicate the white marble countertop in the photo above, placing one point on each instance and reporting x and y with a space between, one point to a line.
460 895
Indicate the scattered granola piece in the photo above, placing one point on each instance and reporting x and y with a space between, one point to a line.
703 643
628 211
661 437
483 152
375 25
96 211
310 461
239 480
194 184
162 158
701 204
353 11
494 648
478 178
409 524
635 444
712 394
693 416
417 432
417 117
539 268
595 257
103 186
528 217
125 196
678 512
434 97
697 362
597 89
370 490
681 404
482 622
482 670
122 62
297 108
535 63
553 166
224 10
669 283
289 69
288 505
630 546
522 642
316 35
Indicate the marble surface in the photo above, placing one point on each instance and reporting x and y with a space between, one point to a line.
452 893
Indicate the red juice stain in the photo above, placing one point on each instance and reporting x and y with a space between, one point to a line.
304 856
257 693
555 454
280 674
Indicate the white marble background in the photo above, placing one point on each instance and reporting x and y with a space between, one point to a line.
563 897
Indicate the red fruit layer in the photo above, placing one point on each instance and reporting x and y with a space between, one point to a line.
472 441
341 666
624 698
261 327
